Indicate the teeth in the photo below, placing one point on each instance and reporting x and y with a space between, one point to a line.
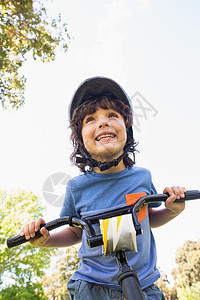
104 136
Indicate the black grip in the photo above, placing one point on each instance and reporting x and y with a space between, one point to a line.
18 239
190 195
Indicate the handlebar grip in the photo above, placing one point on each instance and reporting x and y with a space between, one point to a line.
18 239
190 195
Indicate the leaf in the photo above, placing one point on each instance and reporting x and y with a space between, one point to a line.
25 27
22 263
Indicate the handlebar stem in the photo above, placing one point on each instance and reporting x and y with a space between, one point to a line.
128 278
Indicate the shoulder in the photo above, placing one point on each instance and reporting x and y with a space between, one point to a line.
78 181
142 174
140 170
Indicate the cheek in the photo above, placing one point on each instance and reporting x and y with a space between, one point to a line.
125 138
86 136
123 132
83 134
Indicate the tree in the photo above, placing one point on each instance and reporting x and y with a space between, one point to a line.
21 266
188 261
25 27
170 293
187 275
32 291
186 292
55 284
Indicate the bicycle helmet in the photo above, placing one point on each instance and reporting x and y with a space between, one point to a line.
93 88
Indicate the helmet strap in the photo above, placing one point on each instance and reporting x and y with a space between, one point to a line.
87 159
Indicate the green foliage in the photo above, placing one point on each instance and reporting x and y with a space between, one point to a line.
22 264
186 275
55 284
187 292
31 291
25 27
188 261
170 293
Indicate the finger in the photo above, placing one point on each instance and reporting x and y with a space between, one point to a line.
45 232
21 232
170 200
169 191
38 223
41 240
182 192
179 192
27 232
176 190
32 228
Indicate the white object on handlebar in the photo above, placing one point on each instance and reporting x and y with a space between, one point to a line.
118 234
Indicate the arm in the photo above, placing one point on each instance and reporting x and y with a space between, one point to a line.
67 237
159 217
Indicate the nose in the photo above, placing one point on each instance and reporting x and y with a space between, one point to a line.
103 124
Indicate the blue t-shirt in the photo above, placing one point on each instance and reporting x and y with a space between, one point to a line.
92 192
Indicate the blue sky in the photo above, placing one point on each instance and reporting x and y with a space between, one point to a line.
150 47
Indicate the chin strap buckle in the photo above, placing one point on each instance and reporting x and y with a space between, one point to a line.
107 165
87 159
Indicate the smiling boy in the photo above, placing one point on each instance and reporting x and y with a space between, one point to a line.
104 136
104 150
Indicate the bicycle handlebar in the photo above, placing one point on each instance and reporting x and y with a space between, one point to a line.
86 223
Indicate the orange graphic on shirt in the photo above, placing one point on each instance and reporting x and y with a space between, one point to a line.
132 199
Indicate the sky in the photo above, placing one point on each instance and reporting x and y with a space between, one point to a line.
151 48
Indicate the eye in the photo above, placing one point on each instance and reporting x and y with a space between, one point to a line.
113 114
89 119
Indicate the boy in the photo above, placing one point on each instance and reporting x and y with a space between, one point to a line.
101 124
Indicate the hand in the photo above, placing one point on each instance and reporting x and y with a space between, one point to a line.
29 231
175 193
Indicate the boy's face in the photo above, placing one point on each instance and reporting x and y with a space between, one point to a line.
104 134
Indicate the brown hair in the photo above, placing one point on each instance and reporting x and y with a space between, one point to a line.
90 107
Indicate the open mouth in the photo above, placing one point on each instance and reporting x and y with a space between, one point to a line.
105 136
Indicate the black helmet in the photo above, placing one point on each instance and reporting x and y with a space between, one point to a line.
93 88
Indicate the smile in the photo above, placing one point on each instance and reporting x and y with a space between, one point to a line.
105 136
